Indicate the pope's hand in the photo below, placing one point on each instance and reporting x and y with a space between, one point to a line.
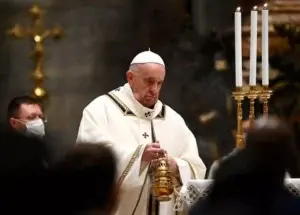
173 167
152 151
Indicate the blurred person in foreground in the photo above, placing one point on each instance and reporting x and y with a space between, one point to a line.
22 162
84 182
251 181
141 129
292 170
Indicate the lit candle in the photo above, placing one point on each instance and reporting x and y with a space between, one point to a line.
253 47
265 46
238 47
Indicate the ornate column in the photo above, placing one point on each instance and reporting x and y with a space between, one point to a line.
212 15
199 11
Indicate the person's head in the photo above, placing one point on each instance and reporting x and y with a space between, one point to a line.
145 76
25 114
272 142
85 180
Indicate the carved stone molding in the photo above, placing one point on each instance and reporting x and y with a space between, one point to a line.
280 13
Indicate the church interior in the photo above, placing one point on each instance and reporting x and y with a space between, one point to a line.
195 38
88 46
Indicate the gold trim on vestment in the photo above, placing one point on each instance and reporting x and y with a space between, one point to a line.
127 112
129 165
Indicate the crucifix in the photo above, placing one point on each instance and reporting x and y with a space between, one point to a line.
37 33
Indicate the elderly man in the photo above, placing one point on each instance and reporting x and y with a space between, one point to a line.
141 128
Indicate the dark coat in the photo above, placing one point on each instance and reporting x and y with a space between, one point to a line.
242 187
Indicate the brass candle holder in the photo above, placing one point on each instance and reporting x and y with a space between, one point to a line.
252 95
239 96
265 95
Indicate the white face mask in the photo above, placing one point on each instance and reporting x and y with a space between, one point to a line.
35 127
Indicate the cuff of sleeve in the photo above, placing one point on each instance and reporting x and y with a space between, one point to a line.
184 170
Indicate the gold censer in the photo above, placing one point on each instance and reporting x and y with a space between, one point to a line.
162 186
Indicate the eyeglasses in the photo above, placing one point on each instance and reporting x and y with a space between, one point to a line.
30 118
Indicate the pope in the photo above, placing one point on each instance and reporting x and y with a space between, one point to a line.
140 129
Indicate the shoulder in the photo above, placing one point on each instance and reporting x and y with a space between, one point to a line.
172 115
98 103
102 101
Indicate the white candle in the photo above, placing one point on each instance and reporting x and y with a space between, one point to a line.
265 46
238 47
253 47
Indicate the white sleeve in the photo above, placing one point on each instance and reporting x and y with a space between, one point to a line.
94 129
189 163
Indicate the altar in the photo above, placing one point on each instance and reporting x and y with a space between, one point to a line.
199 189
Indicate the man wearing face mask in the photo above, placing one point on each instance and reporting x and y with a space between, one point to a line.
25 116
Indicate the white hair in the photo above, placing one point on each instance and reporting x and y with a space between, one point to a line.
133 67
137 66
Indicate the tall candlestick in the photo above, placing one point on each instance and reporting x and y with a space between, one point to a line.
265 45
238 47
253 47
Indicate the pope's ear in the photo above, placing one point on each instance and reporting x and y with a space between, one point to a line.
129 75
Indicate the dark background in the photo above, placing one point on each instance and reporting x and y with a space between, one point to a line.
101 39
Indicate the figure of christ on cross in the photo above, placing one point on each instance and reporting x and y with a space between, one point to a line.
38 33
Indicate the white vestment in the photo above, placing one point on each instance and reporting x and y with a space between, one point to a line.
118 119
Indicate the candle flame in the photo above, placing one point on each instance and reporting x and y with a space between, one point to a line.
265 6
238 9
255 8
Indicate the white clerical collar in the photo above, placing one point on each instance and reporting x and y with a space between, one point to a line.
142 111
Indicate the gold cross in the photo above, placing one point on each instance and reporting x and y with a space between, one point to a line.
38 33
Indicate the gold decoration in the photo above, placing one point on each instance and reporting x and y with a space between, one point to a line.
239 96
253 93
38 33
162 186
252 96
265 95
221 65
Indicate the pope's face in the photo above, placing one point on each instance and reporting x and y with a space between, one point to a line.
146 81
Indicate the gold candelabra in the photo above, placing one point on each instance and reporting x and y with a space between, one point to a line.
38 33
239 96
252 95
263 93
